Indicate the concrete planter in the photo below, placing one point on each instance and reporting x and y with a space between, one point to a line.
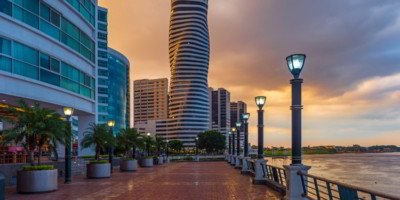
98 170
147 162
37 181
160 160
128 165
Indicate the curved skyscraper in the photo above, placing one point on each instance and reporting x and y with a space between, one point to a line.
189 52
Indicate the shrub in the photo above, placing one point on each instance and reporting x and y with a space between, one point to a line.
147 157
127 159
39 167
188 158
98 162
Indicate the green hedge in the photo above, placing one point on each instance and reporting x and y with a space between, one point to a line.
92 157
147 157
126 159
98 162
36 168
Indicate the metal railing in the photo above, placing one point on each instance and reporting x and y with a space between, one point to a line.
318 188
252 166
275 174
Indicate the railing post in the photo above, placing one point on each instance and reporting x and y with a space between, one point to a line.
294 184
260 171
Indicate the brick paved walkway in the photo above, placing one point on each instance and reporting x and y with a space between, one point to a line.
172 181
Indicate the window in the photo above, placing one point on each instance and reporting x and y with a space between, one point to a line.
103 63
86 8
102 109
24 69
5 64
26 54
102 27
103 81
25 16
5 46
102 90
102 54
49 77
31 5
102 72
103 100
102 45
49 29
69 72
102 36
55 65
69 85
5 7
102 16
85 91
44 61
45 12
55 18
103 118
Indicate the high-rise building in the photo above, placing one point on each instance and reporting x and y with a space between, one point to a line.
237 109
220 108
150 99
118 89
48 56
189 52
113 79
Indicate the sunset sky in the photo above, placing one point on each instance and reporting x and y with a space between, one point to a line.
351 91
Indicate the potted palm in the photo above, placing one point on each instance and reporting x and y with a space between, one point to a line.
147 143
160 146
126 139
100 139
34 127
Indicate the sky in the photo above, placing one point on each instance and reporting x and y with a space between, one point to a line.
351 90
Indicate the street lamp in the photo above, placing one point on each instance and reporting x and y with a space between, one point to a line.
68 112
238 126
230 143
197 146
246 117
295 64
111 125
260 102
148 144
233 161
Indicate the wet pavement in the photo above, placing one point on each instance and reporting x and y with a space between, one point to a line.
172 181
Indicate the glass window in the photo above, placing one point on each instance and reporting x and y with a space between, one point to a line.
85 91
31 5
103 81
44 61
85 13
70 29
55 18
74 3
102 90
102 45
102 27
81 77
25 16
103 63
87 80
26 54
44 12
49 77
50 30
102 16
5 7
5 46
69 72
103 99
93 83
102 109
102 36
69 85
5 64
85 40
70 42
25 69
102 54
102 72
86 52
103 118
55 65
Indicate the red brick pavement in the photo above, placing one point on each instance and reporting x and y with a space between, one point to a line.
172 181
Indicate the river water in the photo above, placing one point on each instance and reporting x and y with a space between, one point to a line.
375 171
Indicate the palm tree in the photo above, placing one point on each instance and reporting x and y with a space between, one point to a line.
98 137
160 144
128 138
147 143
34 127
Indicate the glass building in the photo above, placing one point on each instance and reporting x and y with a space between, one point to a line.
48 55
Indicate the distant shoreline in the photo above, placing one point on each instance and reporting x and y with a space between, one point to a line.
280 154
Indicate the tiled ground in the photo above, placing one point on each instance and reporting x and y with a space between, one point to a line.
172 181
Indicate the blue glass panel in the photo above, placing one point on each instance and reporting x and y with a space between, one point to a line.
5 46
70 42
5 7
70 29
85 91
44 61
49 77
50 30
102 109
70 72
31 5
55 65
5 64
24 53
25 70
25 16
45 12
69 85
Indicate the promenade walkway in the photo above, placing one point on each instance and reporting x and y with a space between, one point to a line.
172 181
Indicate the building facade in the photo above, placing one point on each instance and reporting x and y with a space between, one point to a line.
237 109
189 52
48 56
102 63
118 89
150 100
220 108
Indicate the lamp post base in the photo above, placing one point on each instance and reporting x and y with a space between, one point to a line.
294 189
260 173
245 168
237 163
233 160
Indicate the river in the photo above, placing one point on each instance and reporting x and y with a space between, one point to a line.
375 171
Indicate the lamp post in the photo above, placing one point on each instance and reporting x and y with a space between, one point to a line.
295 64
260 101
229 146
111 125
197 149
233 146
246 117
68 112
238 126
